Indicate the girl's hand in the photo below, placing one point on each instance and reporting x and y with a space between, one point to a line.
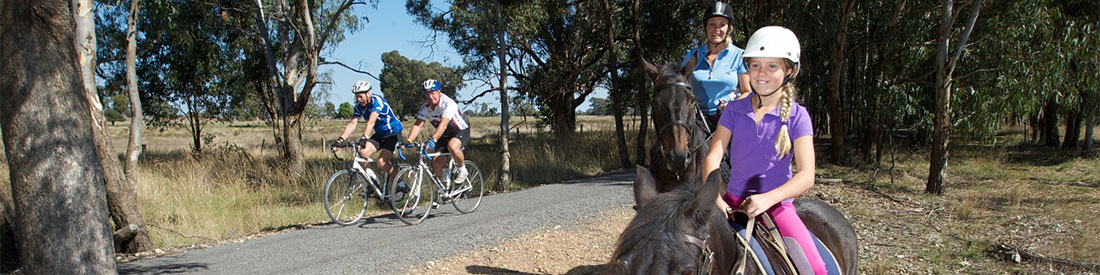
725 208
756 204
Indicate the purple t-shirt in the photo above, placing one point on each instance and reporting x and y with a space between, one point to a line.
754 165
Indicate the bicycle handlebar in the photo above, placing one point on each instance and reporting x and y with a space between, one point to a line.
420 146
341 145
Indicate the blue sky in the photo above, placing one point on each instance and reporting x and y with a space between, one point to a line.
391 28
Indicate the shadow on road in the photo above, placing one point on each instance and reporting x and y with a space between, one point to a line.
579 270
165 269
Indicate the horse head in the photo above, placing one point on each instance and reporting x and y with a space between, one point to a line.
675 118
675 232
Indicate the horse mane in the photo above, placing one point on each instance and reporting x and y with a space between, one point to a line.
667 213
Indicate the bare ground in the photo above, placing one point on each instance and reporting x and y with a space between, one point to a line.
899 233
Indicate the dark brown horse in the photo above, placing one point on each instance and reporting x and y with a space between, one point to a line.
682 134
676 232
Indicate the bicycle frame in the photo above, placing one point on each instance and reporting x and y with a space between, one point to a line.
421 165
357 167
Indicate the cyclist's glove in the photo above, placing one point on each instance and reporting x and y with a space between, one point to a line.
337 142
430 144
362 142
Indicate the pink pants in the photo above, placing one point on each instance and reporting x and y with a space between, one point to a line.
790 226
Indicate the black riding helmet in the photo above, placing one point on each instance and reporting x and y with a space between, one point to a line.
719 9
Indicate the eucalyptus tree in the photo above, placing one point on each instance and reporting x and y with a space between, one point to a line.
118 34
288 39
49 138
946 61
553 48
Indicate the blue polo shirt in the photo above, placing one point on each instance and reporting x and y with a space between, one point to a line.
754 164
718 81
387 123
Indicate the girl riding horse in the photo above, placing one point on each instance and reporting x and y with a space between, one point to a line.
764 133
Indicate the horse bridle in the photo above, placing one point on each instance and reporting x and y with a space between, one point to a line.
705 252
708 255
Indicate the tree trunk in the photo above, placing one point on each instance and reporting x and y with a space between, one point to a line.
1035 123
615 94
121 199
836 116
1073 129
941 133
504 178
1049 135
126 212
9 253
642 102
56 176
564 121
1090 120
643 127
292 146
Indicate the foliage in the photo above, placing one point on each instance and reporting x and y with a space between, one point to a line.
401 80
113 116
345 111
481 110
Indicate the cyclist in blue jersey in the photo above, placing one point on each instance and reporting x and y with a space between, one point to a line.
381 119
719 75
451 130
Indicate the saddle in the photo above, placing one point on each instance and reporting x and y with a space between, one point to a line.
770 252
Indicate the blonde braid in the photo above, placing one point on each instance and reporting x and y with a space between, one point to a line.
783 140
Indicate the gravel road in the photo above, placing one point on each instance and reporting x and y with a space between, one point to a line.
384 245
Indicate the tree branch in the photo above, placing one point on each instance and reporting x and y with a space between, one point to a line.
350 68
966 35
479 95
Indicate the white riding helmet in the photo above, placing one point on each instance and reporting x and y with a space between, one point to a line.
431 85
774 41
361 86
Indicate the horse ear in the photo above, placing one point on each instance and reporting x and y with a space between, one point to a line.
709 191
650 70
645 187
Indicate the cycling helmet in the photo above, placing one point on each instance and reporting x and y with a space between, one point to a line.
719 9
361 86
432 85
774 41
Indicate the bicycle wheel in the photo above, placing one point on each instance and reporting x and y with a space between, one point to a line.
468 200
412 207
345 197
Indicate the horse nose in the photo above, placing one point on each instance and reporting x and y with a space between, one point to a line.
678 160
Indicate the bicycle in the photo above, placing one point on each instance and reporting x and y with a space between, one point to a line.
354 186
414 209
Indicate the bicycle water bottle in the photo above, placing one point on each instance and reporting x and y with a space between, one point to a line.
447 176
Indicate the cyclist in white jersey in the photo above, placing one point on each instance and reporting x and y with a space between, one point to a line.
451 129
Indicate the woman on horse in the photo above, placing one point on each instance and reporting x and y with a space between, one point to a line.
718 75
763 132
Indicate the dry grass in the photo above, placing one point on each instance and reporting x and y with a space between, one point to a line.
1040 199
237 186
